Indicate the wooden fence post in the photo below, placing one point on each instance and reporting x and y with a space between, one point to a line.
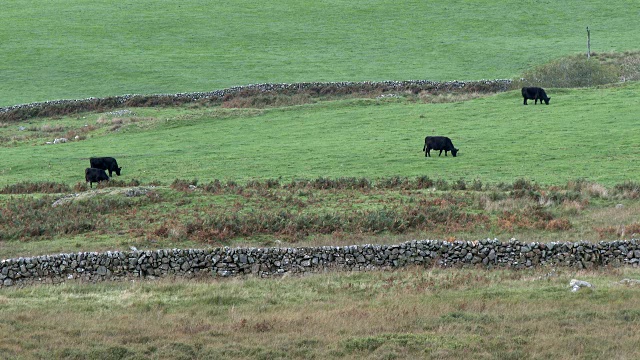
588 43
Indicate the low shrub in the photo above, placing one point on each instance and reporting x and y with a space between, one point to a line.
441 185
183 185
570 72
628 190
220 225
523 188
558 225
628 62
35 187
31 218
394 182
460 184
424 182
477 185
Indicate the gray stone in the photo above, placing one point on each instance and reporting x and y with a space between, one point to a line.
102 270
185 266
630 282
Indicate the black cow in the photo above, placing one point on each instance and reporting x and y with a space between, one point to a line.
438 143
535 93
93 175
105 163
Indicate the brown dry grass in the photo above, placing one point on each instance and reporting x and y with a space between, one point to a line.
105 120
331 212
429 98
411 313
628 62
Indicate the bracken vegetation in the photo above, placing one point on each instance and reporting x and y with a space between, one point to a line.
261 211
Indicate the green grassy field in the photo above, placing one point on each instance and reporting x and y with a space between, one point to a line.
585 133
517 175
80 48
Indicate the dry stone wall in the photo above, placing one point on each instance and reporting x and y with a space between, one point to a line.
65 107
266 262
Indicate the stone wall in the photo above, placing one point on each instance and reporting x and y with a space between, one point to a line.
265 262
66 107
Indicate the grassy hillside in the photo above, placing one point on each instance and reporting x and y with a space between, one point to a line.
80 48
584 133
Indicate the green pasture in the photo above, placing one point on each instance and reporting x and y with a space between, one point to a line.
79 48
584 133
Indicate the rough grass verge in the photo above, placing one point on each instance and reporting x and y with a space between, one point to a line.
301 208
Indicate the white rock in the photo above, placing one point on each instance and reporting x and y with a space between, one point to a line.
577 284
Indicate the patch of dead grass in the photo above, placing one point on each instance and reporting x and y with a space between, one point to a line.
429 98
509 204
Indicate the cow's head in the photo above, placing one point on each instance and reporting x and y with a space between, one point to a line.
118 171
546 101
454 152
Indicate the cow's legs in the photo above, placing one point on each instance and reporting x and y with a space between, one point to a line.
441 153
445 153
428 152
525 101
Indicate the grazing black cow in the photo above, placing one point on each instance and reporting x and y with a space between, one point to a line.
93 175
438 143
535 94
105 163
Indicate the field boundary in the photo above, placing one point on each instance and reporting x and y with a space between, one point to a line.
67 107
269 262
